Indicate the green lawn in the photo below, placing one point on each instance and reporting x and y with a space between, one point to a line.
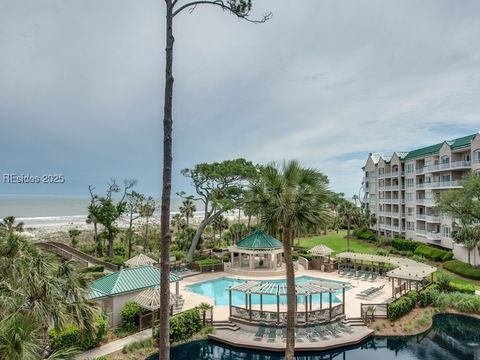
456 279
338 243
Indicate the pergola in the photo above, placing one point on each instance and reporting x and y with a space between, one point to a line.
307 290
149 299
140 260
408 273
321 255
257 251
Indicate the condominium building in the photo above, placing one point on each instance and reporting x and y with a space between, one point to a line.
400 189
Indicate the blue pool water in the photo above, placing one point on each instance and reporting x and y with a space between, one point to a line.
217 289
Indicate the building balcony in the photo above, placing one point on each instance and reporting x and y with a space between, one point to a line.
389 227
441 184
421 232
426 201
434 236
455 165
429 218
389 213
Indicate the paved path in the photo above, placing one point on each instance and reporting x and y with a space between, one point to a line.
114 346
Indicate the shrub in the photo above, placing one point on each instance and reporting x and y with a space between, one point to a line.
463 269
405 245
226 257
206 262
130 317
406 253
418 258
88 248
402 306
73 337
94 268
179 255
383 252
183 325
443 281
462 302
307 256
365 234
137 345
433 253
92 276
428 295
463 288
295 255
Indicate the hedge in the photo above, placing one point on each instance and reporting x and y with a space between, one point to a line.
405 245
463 288
94 268
130 316
434 253
206 262
462 302
428 295
365 234
184 325
402 306
73 337
463 269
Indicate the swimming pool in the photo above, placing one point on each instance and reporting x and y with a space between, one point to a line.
218 290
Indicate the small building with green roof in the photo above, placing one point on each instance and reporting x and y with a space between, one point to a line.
120 287
256 252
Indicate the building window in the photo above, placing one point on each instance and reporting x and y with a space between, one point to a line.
410 225
410 182
445 159
410 211
409 196
410 168
476 156
445 231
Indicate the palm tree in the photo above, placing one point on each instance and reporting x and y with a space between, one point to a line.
37 290
147 208
177 222
187 209
293 199
348 211
8 224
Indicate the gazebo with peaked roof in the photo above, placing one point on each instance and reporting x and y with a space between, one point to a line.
257 251
321 258
140 260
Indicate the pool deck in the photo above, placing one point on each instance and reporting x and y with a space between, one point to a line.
221 312
245 339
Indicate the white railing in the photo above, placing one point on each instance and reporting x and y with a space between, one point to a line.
441 184
420 232
433 236
389 213
419 170
389 227
448 166
429 218
426 201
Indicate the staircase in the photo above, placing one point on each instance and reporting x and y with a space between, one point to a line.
225 325
355 321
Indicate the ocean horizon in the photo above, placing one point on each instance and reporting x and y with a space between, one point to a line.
45 209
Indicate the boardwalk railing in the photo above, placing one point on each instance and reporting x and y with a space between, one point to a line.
373 311
69 253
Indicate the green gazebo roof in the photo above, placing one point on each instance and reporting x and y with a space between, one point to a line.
259 240
126 280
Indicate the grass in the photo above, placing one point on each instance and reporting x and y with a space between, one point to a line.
456 279
338 243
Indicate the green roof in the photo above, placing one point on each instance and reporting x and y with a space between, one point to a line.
434 149
259 240
126 280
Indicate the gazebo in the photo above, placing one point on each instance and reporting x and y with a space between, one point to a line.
321 257
408 274
257 251
149 299
311 294
140 260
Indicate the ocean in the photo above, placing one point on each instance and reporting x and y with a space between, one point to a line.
39 210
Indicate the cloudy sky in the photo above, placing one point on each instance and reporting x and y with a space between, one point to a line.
324 82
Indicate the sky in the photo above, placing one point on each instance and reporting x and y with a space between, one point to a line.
324 82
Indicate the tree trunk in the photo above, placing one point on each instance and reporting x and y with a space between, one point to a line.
291 296
110 244
130 236
145 239
164 325
469 251
187 217
95 240
198 233
249 219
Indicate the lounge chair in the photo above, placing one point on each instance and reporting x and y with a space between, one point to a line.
299 335
320 330
332 330
260 332
272 333
343 327
311 333
366 275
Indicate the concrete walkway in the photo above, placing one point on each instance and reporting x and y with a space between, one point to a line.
114 346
